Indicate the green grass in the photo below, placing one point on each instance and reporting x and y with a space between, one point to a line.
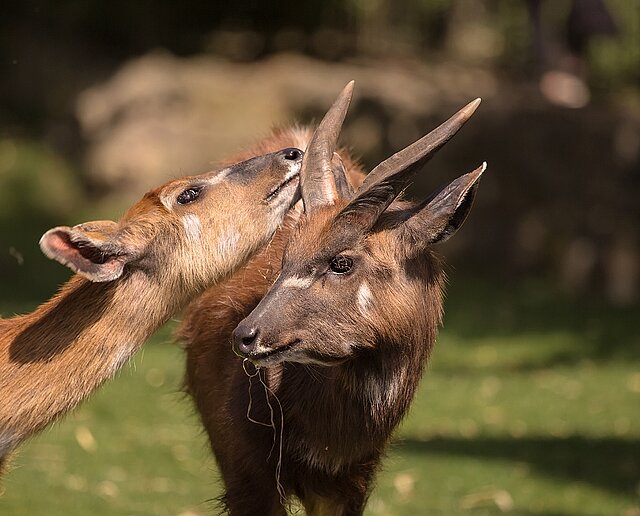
531 406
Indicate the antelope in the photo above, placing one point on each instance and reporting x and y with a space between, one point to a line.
131 276
334 324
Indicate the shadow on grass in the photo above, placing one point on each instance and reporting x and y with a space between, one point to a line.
609 463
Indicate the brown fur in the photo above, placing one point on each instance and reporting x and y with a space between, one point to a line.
336 340
337 419
53 358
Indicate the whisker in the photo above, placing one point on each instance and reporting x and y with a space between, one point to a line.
250 376
279 487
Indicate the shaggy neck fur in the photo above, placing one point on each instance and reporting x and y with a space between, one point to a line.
53 358
339 415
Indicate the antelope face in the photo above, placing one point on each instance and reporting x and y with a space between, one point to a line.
190 231
355 259
324 305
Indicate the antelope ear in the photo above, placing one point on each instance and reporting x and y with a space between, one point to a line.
443 214
90 249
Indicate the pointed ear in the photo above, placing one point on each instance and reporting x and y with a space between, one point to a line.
441 216
90 249
386 181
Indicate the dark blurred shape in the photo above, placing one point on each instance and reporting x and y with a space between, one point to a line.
588 18
126 94
565 84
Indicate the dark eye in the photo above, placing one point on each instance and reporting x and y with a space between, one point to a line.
292 154
189 195
340 264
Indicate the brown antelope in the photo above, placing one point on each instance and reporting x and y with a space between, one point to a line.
132 276
335 349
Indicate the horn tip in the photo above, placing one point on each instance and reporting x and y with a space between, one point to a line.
348 89
471 107
476 174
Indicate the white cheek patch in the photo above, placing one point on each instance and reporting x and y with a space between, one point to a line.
192 227
365 299
228 243
297 282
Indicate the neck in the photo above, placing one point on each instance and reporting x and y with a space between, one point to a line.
53 358
342 414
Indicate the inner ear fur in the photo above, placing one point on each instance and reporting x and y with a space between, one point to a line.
90 249
440 216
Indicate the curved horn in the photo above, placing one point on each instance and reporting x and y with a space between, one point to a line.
385 182
317 183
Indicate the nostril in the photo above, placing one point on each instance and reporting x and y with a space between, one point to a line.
250 337
292 154
246 339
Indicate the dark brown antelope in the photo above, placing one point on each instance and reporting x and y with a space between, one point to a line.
334 350
131 277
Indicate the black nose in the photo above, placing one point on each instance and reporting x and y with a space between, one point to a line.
245 339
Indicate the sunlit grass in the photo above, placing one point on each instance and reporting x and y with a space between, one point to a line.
528 421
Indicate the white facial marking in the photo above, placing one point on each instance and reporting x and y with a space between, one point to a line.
382 390
228 243
297 282
192 226
166 200
219 177
365 299
169 199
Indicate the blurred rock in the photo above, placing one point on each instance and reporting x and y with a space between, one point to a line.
558 185
160 116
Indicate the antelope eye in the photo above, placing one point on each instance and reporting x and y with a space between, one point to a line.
189 195
340 264
292 154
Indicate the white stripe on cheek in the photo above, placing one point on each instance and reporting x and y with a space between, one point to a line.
192 227
365 298
297 282
228 243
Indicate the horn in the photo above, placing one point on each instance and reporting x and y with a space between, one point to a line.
343 185
317 183
386 181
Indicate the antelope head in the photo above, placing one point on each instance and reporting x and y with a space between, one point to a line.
189 232
356 260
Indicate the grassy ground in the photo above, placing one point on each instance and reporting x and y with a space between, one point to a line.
531 406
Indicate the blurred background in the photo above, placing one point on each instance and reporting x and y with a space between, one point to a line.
532 401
